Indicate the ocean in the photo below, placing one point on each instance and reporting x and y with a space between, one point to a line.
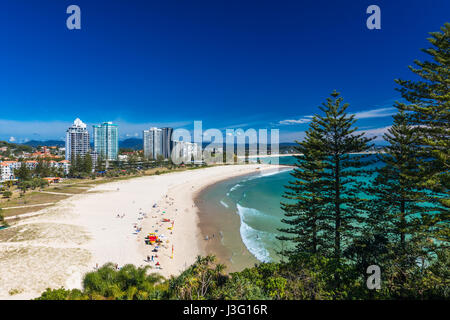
247 215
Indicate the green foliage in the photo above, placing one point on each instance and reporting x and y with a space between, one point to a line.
7 194
81 167
2 218
128 283
304 209
23 173
199 281
63 294
429 109
326 191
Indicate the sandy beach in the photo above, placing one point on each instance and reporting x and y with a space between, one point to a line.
58 245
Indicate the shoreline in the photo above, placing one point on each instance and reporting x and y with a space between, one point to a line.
296 155
176 202
209 226
58 245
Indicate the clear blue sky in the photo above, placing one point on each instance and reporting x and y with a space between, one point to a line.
233 63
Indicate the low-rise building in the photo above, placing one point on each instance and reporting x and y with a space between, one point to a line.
65 165
7 167
5 172
31 164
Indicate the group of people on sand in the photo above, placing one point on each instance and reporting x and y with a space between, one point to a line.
150 259
159 224
120 216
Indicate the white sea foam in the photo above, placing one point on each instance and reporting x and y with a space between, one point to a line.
250 236
223 203
267 174
235 187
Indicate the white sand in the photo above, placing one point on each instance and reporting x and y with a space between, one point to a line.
57 247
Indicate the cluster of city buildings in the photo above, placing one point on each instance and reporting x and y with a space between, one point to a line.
44 153
106 142
157 144
7 167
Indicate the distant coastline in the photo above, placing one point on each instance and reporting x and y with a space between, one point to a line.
296 154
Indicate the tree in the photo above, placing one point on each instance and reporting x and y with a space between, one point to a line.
87 164
129 282
342 185
100 165
328 203
394 218
199 280
23 173
428 108
397 188
428 103
7 194
78 164
304 210
42 169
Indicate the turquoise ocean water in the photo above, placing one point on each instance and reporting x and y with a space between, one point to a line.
255 201
252 204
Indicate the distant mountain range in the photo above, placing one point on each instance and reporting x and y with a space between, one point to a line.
132 143
48 143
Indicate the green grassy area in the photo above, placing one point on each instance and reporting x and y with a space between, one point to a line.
21 211
66 189
32 198
40 200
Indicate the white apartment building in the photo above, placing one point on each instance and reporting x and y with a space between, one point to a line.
77 140
7 167
153 143
5 172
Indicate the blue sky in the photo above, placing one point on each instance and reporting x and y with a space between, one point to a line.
246 64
